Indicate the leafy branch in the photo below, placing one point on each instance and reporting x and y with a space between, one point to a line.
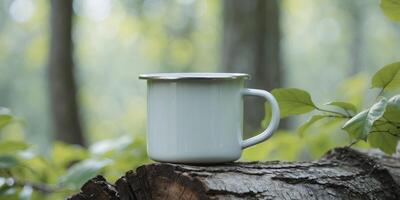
378 124
373 124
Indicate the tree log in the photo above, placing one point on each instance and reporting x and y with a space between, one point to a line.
343 173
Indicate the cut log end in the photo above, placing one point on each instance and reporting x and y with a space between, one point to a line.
342 173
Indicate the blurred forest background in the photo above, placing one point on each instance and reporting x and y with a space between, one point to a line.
69 69
69 72
307 44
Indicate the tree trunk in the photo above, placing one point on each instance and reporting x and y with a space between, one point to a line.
251 38
342 173
64 107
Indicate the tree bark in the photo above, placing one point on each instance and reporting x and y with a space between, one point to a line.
251 39
342 173
62 88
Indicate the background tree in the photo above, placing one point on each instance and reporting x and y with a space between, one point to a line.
356 45
251 38
354 22
64 106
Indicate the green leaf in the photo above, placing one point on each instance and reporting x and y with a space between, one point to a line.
64 154
388 77
82 171
343 105
8 192
7 161
359 126
5 117
385 135
309 122
392 112
9 146
293 101
384 141
391 8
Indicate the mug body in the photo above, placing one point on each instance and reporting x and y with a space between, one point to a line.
194 121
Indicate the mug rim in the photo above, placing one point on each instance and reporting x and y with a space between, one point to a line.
194 76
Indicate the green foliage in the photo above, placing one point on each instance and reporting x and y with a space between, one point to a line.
391 8
293 101
273 148
393 109
388 78
66 168
7 161
5 117
346 106
352 90
379 124
286 145
7 146
384 141
360 125
309 122
64 154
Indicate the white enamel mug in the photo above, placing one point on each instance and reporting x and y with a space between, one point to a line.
198 117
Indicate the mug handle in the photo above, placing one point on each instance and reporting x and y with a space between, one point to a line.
273 124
